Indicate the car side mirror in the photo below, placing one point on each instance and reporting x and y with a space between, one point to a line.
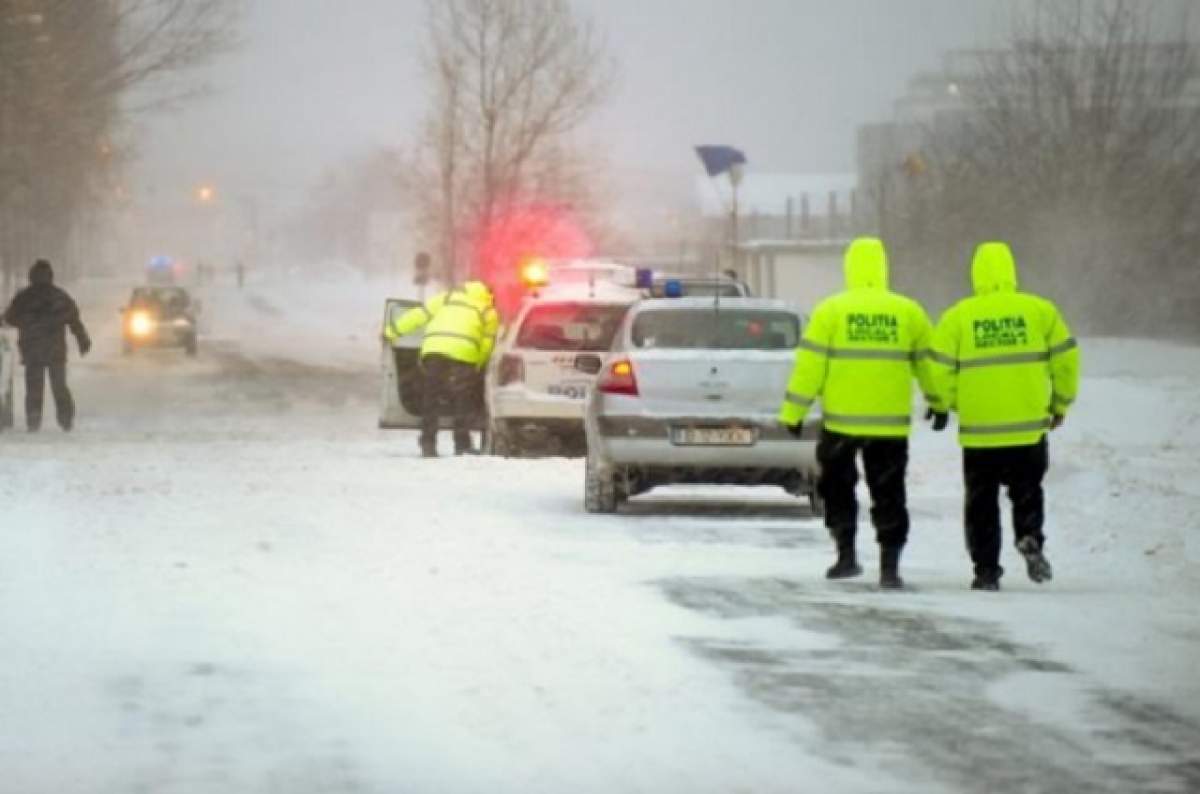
588 363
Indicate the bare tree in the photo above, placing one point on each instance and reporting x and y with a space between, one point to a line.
1081 144
512 78
70 74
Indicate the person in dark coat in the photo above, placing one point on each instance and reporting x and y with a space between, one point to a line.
41 313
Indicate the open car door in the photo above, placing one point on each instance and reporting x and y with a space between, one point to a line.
8 365
403 384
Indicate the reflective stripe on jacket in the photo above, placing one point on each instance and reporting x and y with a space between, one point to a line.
1005 360
460 324
860 352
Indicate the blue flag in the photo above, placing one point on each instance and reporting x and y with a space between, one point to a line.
719 159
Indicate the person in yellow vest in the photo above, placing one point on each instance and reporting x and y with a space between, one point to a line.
860 352
460 332
1006 362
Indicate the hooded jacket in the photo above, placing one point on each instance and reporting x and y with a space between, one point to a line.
860 352
460 324
1004 360
41 314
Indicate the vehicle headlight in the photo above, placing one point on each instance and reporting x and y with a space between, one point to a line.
141 324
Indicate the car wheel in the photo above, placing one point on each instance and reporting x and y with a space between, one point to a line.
600 492
501 443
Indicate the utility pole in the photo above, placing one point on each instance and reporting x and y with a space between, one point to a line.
735 179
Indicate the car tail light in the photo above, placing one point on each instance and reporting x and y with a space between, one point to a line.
512 369
619 379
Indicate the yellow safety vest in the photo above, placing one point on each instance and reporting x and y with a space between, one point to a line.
1004 360
460 324
860 352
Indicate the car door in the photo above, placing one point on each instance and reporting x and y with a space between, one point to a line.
8 361
402 386
399 363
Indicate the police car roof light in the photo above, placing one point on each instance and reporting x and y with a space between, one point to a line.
673 289
644 278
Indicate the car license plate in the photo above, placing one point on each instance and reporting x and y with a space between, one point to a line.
713 436
572 391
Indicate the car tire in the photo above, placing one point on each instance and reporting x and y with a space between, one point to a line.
501 445
600 491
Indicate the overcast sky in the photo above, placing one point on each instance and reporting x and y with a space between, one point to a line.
787 81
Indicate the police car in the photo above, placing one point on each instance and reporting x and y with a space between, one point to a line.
689 392
535 395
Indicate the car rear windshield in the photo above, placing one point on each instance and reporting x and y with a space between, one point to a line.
712 329
570 326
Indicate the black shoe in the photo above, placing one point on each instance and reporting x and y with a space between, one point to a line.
429 451
1036 564
987 580
889 568
846 567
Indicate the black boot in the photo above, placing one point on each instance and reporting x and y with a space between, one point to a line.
847 562
889 568
987 578
429 447
1036 564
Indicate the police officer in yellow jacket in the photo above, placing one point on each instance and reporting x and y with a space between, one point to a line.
460 332
1007 363
860 352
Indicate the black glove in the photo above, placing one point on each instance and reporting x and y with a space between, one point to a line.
940 419
84 346
1056 421
797 430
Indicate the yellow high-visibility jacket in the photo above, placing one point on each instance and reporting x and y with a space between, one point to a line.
860 352
460 324
1004 360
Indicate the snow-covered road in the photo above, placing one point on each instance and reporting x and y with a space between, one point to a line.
228 580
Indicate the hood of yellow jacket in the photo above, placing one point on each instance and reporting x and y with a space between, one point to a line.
993 269
866 264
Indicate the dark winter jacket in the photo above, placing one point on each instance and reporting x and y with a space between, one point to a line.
41 313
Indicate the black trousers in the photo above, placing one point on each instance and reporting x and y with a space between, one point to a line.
449 390
1020 470
885 462
35 384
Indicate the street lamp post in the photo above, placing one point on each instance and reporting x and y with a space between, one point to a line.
735 179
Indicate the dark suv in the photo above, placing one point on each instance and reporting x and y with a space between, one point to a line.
159 317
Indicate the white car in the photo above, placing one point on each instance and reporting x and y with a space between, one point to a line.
690 393
535 395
